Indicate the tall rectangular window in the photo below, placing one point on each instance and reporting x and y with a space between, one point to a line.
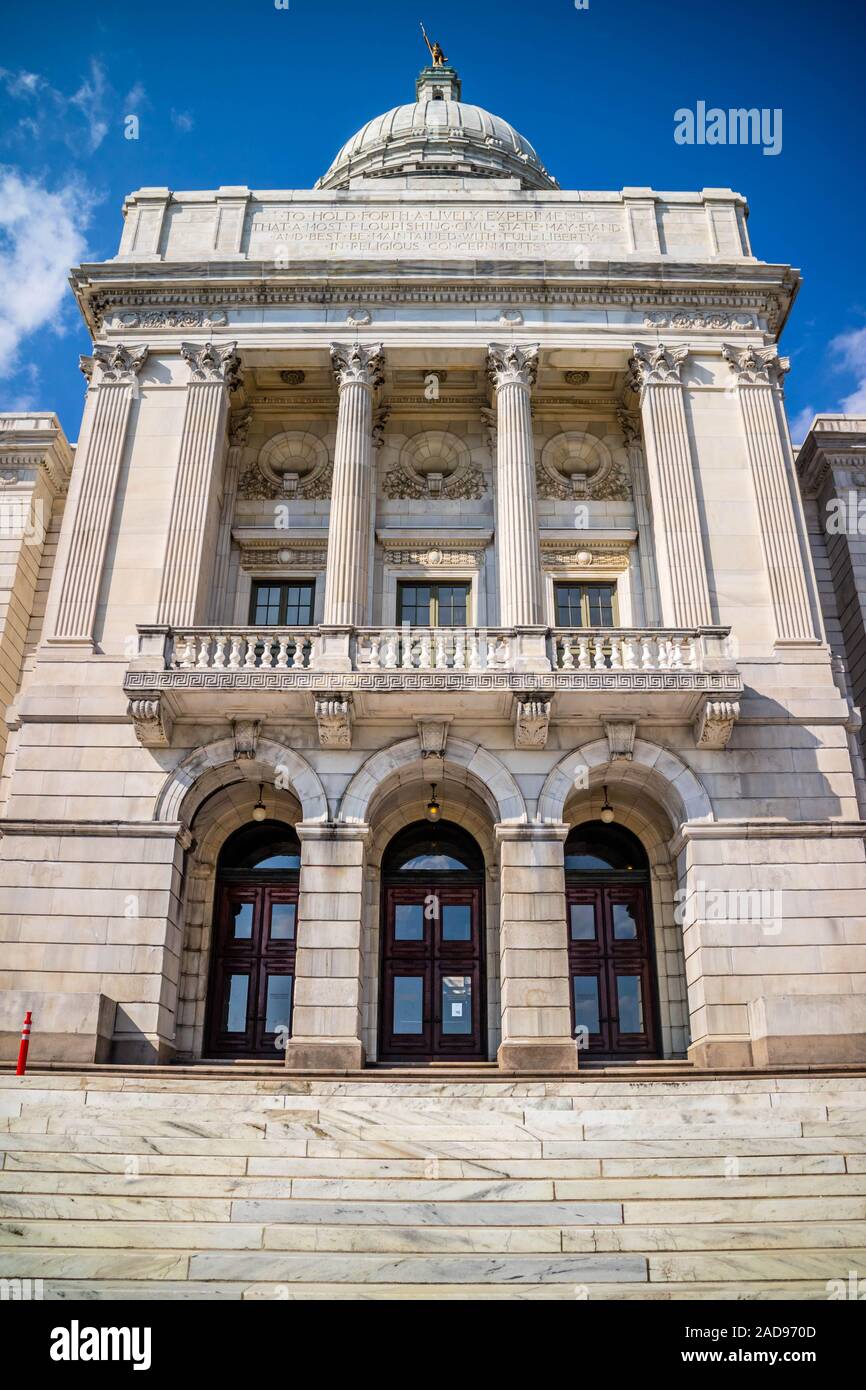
433 605
585 605
283 604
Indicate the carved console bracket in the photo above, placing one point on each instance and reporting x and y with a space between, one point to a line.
334 720
152 720
620 739
715 723
531 721
246 736
433 736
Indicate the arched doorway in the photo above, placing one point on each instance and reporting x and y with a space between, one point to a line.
614 991
255 926
432 983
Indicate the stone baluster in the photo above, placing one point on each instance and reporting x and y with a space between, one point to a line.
441 651
93 491
512 371
192 538
679 548
583 659
235 654
567 663
760 373
359 370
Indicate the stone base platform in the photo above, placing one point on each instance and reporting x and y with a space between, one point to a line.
241 1182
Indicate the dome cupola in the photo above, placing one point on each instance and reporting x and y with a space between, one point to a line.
438 135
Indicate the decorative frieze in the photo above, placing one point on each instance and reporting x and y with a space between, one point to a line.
152 721
531 721
259 556
685 319
166 318
609 555
715 723
447 555
334 721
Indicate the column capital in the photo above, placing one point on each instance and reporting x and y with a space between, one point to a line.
362 364
119 364
656 365
212 363
512 364
756 366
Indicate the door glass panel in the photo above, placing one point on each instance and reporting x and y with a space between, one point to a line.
457 1004
456 922
629 1003
625 921
242 918
583 921
408 922
235 1007
408 1004
283 921
278 1009
586 1009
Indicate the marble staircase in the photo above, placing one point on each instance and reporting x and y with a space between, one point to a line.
214 1183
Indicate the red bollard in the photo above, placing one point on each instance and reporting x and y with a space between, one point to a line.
25 1044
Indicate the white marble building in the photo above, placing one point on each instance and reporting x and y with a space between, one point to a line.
433 475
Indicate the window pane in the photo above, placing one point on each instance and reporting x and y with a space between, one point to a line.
414 605
457 922
283 921
568 610
583 921
629 1003
408 1004
600 598
242 914
278 1007
586 1010
266 605
409 922
457 1004
625 921
235 1004
299 605
453 604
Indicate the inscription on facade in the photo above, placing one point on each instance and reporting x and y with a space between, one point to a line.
473 230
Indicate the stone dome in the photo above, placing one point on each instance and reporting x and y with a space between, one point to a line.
439 135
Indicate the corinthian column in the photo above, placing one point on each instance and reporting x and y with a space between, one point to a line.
192 528
680 557
759 375
238 429
512 370
94 489
359 371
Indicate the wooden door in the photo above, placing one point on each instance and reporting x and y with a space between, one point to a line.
253 972
613 993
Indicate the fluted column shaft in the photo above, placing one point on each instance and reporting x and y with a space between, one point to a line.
759 377
185 578
680 555
94 490
358 370
238 430
512 371
644 517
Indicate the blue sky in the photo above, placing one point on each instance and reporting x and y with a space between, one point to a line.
254 94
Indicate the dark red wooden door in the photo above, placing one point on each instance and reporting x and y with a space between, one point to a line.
612 975
253 971
432 973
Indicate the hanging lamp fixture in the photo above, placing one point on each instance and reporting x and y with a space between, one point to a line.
260 810
434 809
607 812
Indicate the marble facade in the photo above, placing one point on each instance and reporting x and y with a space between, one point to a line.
436 365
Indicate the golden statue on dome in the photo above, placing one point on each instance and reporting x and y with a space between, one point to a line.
437 53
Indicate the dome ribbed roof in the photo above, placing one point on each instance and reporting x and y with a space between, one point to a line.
438 134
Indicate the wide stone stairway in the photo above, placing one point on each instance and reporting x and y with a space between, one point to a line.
243 1182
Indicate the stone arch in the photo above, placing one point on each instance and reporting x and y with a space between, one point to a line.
205 770
666 777
467 762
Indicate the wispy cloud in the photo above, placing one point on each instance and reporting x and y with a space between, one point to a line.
801 423
849 352
182 121
40 114
41 235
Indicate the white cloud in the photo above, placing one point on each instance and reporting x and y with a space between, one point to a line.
91 99
47 115
41 236
182 120
801 423
849 349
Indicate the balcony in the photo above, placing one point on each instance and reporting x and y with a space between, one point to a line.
585 674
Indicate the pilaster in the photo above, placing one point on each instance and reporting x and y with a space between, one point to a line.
326 1014
630 426
186 576
238 429
759 374
679 549
536 1008
94 488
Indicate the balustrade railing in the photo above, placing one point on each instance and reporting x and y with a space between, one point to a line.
433 649
265 648
610 649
